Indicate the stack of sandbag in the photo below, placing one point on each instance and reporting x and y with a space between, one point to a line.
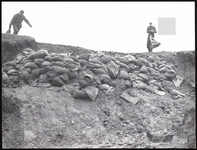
42 67
93 72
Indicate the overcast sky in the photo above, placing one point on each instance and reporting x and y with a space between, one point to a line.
104 26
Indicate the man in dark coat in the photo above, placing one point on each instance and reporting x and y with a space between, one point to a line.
151 30
17 22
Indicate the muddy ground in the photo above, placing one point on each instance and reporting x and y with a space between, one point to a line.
49 117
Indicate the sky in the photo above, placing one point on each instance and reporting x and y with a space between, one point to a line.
104 26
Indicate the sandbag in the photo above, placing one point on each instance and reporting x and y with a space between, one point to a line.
70 65
143 69
83 62
57 58
144 61
123 65
123 75
24 76
104 77
58 63
69 60
171 71
26 60
48 58
160 77
35 72
131 59
28 50
38 64
104 87
39 60
63 55
39 54
169 76
51 75
83 83
156 44
26 69
46 63
155 66
127 84
19 57
84 56
144 76
123 60
64 77
104 67
5 78
139 85
73 74
74 58
18 66
98 71
77 67
60 70
91 91
43 78
113 73
78 94
163 69
87 74
10 63
12 71
93 65
31 65
43 50
139 63
133 67
57 81
45 69
105 59
150 58
94 60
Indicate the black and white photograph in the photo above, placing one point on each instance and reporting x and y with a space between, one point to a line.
98 74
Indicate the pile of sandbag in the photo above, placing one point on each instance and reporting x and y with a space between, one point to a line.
89 72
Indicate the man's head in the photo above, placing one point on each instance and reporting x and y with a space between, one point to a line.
150 23
22 12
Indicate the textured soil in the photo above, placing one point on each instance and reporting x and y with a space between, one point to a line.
49 117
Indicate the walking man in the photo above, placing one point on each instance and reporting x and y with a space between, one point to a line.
17 22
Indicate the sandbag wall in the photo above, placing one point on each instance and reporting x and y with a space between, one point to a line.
89 72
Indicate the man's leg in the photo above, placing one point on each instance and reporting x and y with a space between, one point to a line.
17 28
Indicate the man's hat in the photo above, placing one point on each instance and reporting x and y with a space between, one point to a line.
22 11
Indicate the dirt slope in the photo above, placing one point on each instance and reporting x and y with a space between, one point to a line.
49 117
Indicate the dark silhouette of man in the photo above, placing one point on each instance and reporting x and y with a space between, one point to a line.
17 22
151 30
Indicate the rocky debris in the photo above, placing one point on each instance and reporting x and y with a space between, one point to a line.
12 127
188 126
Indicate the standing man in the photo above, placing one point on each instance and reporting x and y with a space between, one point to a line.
151 30
151 34
17 22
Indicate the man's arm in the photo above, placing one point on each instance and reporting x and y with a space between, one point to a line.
155 30
27 21
148 29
